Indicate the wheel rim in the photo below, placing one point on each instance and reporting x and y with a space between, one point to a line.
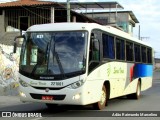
103 97
138 91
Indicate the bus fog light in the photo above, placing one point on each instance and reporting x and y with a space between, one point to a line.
77 96
22 94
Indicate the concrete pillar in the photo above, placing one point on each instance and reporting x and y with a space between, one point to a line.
52 14
2 23
74 19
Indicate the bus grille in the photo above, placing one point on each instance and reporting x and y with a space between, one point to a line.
43 88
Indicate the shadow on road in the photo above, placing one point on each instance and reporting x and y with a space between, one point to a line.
66 110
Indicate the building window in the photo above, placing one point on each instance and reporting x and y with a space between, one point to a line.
1 12
130 28
123 25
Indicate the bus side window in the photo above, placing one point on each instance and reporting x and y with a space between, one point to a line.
94 49
129 51
144 53
108 46
94 53
149 55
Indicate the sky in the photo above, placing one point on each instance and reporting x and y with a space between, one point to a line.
146 11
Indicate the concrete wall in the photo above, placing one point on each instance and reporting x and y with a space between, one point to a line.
8 62
2 28
8 70
157 65
8 38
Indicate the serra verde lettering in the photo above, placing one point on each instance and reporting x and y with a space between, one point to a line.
118 70
37 83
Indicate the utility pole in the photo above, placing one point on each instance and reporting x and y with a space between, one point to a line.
116 14
139 32
68 11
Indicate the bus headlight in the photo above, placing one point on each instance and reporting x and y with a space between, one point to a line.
76 84
24 84
22 94
77 96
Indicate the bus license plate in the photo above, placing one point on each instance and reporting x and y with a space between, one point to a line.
47 97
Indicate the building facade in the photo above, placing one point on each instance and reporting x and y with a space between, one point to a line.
19 15
125 20
157 64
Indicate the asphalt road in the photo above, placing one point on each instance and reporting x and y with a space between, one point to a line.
149 101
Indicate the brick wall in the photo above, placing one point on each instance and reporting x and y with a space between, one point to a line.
8 70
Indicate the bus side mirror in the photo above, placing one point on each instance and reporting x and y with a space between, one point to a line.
17 41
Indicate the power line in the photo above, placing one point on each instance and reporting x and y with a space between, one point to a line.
144 38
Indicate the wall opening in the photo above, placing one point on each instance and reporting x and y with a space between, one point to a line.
24 23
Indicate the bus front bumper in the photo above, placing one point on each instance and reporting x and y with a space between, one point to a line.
64 96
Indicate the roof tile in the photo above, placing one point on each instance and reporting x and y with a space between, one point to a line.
26 3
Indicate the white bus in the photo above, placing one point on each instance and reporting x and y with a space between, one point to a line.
81 64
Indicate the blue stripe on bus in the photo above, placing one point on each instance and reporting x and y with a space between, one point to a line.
143 70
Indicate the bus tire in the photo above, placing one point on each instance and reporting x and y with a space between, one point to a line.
103 101
137 94
51 106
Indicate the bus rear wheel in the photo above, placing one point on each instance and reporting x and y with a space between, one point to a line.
103 100
137 94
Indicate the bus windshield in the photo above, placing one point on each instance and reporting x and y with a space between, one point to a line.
53 53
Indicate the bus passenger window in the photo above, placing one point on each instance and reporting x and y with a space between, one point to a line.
143 50
129 51
137 53
149 55
120 55
108 46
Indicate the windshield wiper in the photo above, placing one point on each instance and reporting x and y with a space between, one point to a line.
60 64
34 69
57 57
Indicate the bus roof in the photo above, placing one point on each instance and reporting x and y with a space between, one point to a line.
83 26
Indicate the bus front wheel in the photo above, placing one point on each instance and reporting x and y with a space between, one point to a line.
103 100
